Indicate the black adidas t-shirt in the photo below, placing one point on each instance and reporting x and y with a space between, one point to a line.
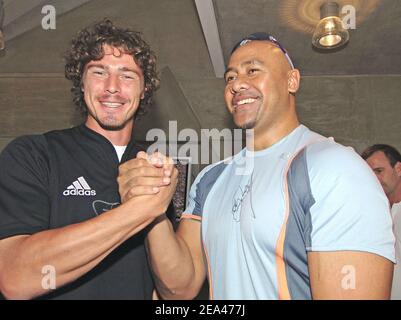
64 177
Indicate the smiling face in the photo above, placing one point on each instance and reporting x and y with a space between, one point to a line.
259 83
113 88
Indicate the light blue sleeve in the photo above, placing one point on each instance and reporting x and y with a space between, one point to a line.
193 207
351 211
201 187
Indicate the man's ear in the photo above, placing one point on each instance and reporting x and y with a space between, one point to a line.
294 79
82 83
397 168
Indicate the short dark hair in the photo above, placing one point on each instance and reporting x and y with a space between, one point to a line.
390 152
88 46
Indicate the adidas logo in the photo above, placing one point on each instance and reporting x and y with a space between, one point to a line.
79 188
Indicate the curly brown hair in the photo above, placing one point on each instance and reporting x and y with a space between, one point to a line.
88 46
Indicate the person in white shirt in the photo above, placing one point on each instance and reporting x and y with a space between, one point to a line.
385 161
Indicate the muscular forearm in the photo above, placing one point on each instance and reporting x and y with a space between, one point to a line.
72 250
170 258
171 262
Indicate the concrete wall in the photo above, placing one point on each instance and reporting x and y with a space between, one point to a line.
35 97
355 110
31 104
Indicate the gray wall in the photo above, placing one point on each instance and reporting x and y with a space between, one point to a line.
355 110
34 97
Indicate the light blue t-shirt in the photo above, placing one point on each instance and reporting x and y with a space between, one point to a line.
262 212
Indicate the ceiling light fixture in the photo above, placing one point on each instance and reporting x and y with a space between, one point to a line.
330 32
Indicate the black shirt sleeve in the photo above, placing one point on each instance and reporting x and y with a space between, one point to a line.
24 187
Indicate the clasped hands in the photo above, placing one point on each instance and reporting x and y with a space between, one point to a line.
152 177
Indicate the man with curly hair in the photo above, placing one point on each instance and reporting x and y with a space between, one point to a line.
63 234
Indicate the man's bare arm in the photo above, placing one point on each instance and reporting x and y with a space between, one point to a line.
72 250
176 258
349 275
